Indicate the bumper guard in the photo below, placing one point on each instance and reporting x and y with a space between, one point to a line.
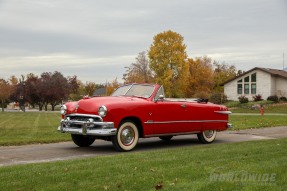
88 127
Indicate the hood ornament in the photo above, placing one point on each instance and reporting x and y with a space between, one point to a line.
77 106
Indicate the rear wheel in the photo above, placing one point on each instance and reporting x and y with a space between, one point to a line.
127 136
207 136
83 140
166 138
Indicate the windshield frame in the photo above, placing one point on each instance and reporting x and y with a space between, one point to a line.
130 88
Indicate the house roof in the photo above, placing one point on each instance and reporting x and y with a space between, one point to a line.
273 72
100 92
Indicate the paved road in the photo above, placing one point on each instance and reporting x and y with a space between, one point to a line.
13 155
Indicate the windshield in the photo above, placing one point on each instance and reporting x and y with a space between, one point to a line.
138 90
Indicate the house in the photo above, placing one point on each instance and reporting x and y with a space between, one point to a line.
100 92
263 81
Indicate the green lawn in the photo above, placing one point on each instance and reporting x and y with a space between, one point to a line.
254 165
257 121
18 128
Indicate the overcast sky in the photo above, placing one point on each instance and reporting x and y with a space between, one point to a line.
96 39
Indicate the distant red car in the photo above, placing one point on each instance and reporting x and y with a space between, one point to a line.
140 111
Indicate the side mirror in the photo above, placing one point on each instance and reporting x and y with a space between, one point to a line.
160 98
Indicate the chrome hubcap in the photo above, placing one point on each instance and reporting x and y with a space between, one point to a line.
209 133
127 136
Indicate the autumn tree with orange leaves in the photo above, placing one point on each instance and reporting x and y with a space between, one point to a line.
181 76
6 89
168 62
111 87
201 77
90 88
222 73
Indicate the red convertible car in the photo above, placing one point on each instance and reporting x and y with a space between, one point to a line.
140 111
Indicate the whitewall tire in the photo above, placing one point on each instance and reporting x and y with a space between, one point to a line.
207 136
127 136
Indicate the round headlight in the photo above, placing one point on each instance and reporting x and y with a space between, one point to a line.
63 109
102 111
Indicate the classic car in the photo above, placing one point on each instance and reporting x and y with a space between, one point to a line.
140 111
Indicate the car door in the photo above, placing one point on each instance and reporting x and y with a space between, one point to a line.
171 117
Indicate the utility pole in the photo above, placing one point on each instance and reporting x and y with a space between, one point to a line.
283 62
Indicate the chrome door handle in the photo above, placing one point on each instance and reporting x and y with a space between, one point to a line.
183 105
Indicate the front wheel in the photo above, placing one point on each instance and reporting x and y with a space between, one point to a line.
207 136
127 136
83 140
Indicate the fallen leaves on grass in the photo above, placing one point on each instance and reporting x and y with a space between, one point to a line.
159 186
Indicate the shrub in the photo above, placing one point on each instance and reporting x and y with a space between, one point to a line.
243 99
218 98
202 94
257 98
283 99
273 98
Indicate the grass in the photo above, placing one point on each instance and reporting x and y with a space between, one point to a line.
257 121
18 128
255 165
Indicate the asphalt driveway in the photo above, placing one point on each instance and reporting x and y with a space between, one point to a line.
13 155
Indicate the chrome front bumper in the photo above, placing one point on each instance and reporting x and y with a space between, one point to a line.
87 127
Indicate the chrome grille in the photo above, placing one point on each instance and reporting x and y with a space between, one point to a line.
77 120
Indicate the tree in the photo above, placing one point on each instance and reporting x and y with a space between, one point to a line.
5 91
73 84
49 88
13 80
76 95
111 87
139 72
52 88
43 88
59 89
222 73
32 94
168 62
239 72
90 88
201 77
17 89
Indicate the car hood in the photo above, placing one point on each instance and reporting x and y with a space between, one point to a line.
91 105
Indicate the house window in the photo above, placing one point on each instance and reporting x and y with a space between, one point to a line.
239 88
253 77
246 79
253 88
247 85
246 88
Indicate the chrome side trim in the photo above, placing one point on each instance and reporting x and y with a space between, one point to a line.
223 112
173 134
190 121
